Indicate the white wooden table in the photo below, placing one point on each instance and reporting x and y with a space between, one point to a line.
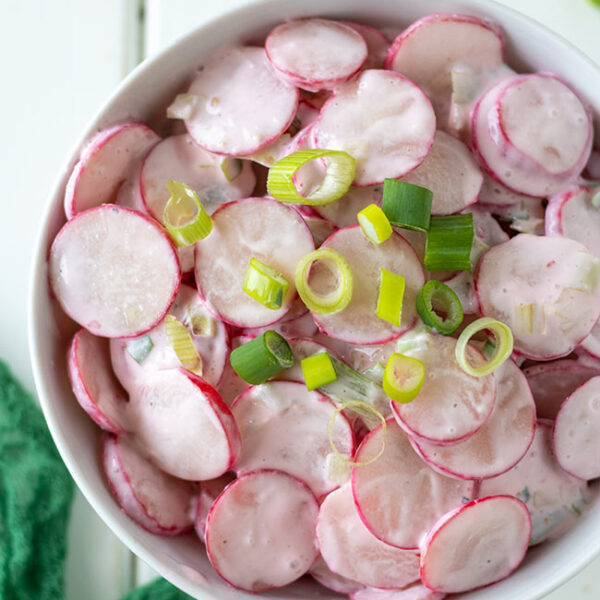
59 61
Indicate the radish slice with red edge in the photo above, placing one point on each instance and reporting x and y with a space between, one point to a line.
158 502
342 213
393 141
332 581
262 228
105 162
592 169
94 384
286 427
412 592
209 492
231 384
577 431
493 194
243 105
113 271
184 425
352 551
260 531
358 323
591 344
398 496
315 54
475 545
377 44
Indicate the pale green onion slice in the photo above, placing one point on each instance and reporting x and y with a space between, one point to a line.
232 168
391 296
184 216
403 378
181 341
337 468
330 302
584 273
530 318
265 285
339 175
503 340
183 107
201 325
407 205
375 372
374 224
318 370
139 348
596 199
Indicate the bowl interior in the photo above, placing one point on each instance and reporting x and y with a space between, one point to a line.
144 96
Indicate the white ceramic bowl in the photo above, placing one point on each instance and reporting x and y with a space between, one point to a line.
144 95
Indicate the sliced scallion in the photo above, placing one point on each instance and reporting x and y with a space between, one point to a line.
265 285
407 205
390 297
232 168
403 378
181 341
374 224
139 348
436 297
202 325
318 370
184 216
449 242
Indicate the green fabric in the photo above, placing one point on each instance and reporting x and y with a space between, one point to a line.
159 589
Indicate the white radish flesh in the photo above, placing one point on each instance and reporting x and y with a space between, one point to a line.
260 531
262 228
209 492
398 496
475 545
377 44
243 105
412 592
591 344
332 581
113 271
494 194
342 213
158 502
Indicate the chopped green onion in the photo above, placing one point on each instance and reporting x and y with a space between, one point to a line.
201 325
331 302
337 468
390 297
184 216
265 285
375 372
336 182
318 370
183 107
595 200
584 273
503 341
437 296
139 348
374 224
232 168
488 348
465 84
403 378
449 242
407 205
262 358
181 341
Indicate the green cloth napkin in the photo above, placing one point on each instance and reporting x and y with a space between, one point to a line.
36 491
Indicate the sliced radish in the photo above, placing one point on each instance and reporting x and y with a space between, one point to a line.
320 228
592 169
452 405
540 298
591 344
261 228
412 592
113 271
377 44
358 323
474 545
215 179
104 163
486 227
553 497
342 213
211 344
285 427
231 384
307 113
301 323
243 106
495 194
398 496
394 139
260 533
129 194
158 502
577 431
450 172
525 217
209 492
500 443
551 383
184 425
463 286
326 577
315 54
94 383
351 550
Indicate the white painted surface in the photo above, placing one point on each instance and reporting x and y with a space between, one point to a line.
60 60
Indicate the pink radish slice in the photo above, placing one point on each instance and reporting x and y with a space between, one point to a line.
591 344
377 44
213 349
113 271
104 163
398 496
315 54
486 227
394 139
450 172
500 443
577 431
551 383
463 286
231 384
184 425
351 550
260 533
476 544
495 194
525 217
553 497
413 592
94 384
261 228
157 502
451 405
342 213
549 281
285 427
326 577
243 105
592 169
209 492
320 228
358 323
214 178
307 113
